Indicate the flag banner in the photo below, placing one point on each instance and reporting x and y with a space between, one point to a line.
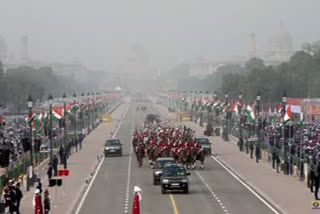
288 115
250 113
30 117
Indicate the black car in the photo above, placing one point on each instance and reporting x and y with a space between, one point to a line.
158 167
113 147
151 118
205 144
174 177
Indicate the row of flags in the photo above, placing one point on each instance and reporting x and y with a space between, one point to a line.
40 120
236 106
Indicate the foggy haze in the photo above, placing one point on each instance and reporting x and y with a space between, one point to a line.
102 33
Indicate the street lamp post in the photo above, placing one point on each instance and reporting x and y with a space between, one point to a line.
50 98
284 146
226 132
30 177
258 99
88 114
240 122
82 118
75 122
201 111
93 109
66 150
1 125
215 112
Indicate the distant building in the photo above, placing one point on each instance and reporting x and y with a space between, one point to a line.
25 50
3 50
252 45
280 46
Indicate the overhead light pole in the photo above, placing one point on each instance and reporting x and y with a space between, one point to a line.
50 99
75 140
258 148
93 110
30 172
215 111
284 146
66 150
88 113
240 117
227 117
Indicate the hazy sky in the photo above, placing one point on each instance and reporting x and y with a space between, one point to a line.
102 32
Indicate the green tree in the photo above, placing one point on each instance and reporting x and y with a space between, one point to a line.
254 63
312 48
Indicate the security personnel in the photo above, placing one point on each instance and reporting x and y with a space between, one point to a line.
316 182
241 144
246 145
258 152
251 147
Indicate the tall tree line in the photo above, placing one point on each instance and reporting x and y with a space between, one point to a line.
17 83
300 77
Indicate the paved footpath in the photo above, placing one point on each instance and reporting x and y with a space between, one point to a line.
81 165
285 192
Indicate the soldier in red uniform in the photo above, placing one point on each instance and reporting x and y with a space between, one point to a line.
136 200
37 203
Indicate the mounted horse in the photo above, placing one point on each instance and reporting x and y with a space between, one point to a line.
140 154
155 153
150 152
198 155
182 156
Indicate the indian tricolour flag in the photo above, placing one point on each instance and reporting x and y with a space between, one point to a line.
288 115
205 101
36 124
235 107
226 107
74 107
250 113
30 117
56 115
216 105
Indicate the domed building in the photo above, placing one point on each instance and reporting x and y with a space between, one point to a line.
280 45
3 50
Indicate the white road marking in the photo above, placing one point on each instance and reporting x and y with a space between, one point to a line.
248 187
96 172
212 193
236 177
129 175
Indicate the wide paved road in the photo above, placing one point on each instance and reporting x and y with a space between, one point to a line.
213 190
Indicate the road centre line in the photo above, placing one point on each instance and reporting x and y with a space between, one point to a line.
174 205
126 207
237 178
96 172
246 185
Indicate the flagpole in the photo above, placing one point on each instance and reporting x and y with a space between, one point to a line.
284 101
30 173
50 134
75 123
301 142
66 150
